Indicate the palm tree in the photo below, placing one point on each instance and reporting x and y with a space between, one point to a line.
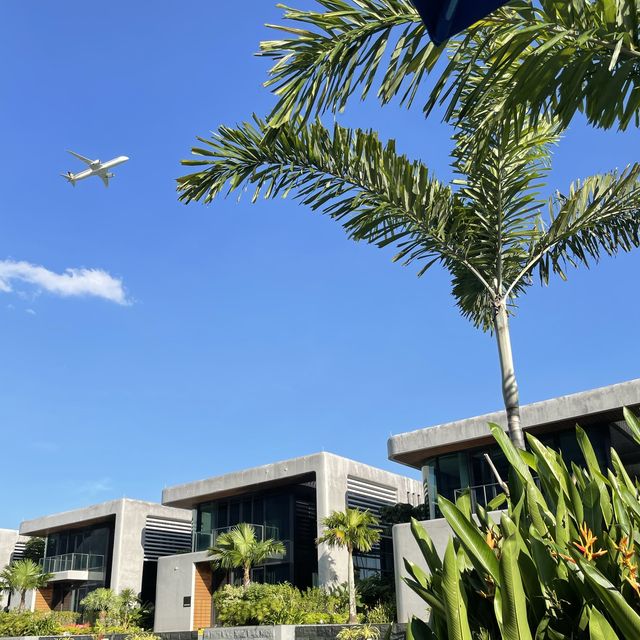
128 603
240 548
23 576
102 601
553 56
353 530
490 229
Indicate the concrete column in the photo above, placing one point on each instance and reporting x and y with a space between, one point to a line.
331 483
128 547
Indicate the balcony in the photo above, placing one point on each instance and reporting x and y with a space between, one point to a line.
480 494
203 540
74 566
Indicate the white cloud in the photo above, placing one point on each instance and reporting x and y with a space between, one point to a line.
73 282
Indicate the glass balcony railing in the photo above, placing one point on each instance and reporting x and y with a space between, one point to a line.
73 562
202 540
481 494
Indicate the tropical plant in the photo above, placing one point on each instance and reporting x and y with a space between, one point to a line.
129 606
353 530
265 604
16 623
239 548
490 229
23 576
103 602
562 562
34 549
551 56
359 632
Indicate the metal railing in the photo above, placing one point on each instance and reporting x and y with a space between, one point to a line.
72 562
202 540
480 494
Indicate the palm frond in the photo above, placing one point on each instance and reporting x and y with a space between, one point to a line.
560 57
600 215
344 48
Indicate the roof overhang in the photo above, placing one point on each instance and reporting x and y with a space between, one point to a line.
604 404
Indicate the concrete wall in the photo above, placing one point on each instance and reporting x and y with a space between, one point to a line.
175 582
8 539
408 603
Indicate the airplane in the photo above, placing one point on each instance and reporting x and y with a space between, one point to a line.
96 168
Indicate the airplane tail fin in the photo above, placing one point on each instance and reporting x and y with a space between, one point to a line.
69 177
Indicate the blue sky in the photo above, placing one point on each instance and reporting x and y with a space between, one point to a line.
251 333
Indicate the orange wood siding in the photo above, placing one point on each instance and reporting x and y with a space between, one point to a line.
202 596
44 597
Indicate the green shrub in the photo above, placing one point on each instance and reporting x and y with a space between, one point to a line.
381 613
561 561
35 623
142 635
359 632
264 604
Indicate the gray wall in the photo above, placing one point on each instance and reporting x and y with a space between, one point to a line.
175 581
404 546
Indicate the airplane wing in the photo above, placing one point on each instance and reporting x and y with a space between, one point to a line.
85 160
105 178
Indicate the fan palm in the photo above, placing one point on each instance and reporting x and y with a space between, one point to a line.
23 576
490 229
552 56
239 548
353 530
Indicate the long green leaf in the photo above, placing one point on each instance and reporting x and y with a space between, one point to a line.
625 618
455 605
474 543
515 625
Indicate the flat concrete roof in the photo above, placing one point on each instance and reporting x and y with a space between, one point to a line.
586 407
97 513
303 469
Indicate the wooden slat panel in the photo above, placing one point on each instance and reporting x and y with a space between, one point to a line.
44 598
202 596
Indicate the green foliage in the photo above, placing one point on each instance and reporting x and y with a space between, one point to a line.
490 229
351 529
263 604
375 589
239 548
23 576
34 549
564 57
114 612
359 632
403 512
142 635
382 613
35 623
562 562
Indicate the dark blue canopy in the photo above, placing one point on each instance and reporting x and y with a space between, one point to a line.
445 18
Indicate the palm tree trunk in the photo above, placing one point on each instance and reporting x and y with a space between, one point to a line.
23 599
353 616
509 383
246 577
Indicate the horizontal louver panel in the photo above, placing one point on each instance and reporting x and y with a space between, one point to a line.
163 537
18 550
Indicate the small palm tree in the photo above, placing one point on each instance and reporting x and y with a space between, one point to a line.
128 604
23 576
353 530
102 601
239 548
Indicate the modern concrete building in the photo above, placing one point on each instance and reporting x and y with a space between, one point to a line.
114 544
11 548
451 458
284 501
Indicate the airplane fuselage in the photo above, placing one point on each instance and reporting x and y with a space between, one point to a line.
99 169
